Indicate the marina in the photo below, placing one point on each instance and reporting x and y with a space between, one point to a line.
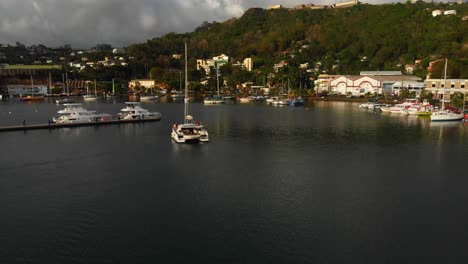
276 174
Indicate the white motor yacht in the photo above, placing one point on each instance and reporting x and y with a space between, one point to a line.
75 113
133 110
149 97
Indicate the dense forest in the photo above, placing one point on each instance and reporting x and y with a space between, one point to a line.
339 41
333 41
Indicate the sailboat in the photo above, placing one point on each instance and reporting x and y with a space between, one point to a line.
90 97
190 130
178 94
149 97
443 114
217 99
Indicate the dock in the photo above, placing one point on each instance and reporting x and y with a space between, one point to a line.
80 124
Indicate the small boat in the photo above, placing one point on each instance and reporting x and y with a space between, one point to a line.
244 100
75 113
189 131
213 100
64 101
31 98
90 97
133 110
283 101
297 102
177 95
149 97
272 99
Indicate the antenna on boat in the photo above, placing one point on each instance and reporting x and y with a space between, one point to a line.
443 87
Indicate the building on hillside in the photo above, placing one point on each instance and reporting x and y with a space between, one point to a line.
248 64
436 13
216 62
274 7
345 4
409 68
280 65
450 86
450 12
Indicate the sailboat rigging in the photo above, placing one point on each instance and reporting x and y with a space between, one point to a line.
444 114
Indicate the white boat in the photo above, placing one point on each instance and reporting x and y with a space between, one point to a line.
177 95
283 101
444 114
149 97
133 110
90 97
189 131
244 99
64 101
216 99
213 100
75 113
272 99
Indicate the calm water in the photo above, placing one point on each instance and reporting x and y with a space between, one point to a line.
326 183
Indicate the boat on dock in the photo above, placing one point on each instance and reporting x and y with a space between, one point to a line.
75 113
133 110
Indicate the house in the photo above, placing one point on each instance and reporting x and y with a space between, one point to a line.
274 7
177 56
436 13
409 68
450 12
280 65
248 64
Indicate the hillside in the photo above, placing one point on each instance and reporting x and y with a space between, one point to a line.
344 41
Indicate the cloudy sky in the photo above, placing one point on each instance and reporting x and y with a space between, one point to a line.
84 23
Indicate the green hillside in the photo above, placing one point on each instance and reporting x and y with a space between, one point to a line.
344 41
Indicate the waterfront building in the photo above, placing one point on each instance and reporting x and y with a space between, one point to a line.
451 86
371 82
411 86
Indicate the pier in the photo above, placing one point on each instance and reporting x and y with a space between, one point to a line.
80 124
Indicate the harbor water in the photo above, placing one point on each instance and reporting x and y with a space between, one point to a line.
323 183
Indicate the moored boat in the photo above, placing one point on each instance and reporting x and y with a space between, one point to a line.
189 131
133 110
75 113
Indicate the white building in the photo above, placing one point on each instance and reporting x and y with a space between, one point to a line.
436 13
450 12
411 86
19 89
248 64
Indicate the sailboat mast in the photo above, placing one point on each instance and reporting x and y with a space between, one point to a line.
217 78
95 87
186 85
443 87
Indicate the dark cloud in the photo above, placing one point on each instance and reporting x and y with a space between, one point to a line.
84 23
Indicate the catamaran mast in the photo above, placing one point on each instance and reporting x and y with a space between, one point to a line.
186 99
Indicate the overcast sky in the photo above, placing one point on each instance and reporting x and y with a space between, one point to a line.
85 23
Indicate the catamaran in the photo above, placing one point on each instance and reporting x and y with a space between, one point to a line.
190 130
